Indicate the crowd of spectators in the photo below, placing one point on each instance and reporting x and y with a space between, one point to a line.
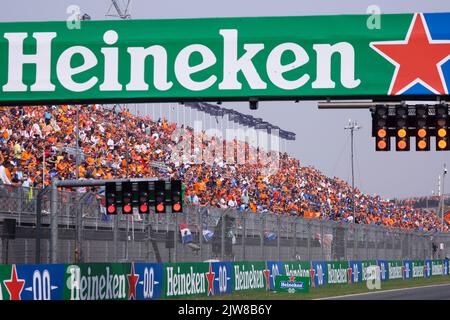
39 143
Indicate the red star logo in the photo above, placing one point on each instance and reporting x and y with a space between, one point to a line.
292 279
312 276
350 271
132 281
14 285
210 277
417 59
267 275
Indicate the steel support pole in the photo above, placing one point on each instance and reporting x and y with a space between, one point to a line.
200 235
116 236
38 207
244 234
53 222
175 242
278 238
262 237
222 237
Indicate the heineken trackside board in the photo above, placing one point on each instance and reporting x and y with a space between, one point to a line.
418 268
288 268
338 272
292 284
250 275
226 58
197 279
395 269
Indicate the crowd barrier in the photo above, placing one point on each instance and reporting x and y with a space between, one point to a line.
150 281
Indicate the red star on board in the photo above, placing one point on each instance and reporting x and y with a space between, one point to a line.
349 271
292 279
267 275
14 285
132 281
312 276
210 277
417 59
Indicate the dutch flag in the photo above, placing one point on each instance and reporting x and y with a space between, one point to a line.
186 236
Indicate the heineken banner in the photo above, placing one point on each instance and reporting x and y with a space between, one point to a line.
337 272
368 267
437 268
319 273
204 279
292 284
226 58
395 269
252 275
275 269
355 273
148 278
99 281
418 268
384 269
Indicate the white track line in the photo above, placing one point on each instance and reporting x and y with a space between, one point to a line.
382 291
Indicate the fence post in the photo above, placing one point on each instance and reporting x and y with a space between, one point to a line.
222 237
175 244
355 240
308 226
54 221
262 236
116 236
366 234
200 236
345 242
321 240
278 237
244 233
294 238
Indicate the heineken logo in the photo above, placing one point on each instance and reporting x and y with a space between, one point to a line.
185 283
250 279
103 285
395 272
291 284
418 270
296 270
336 275
437 269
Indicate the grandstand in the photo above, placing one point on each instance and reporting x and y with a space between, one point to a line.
37 145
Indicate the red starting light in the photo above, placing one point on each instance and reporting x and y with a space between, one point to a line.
127 208
111 209
176 207
143 208
159 207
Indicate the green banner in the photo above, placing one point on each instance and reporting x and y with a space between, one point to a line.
337 272
251 275
297 268
224 58
5 275
97 281
395 268
437 268
292 284
186 279
418 268
365 265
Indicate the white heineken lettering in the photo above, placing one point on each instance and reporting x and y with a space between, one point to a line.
395 272
16 60
65 72
336 275
436 269
96 63
183 71
324 55
111 71
185 283
417 271
275 69
290 271
109 279
232 65
101 288
138 57
250 279
74 282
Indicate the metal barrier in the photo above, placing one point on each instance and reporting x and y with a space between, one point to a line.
87 234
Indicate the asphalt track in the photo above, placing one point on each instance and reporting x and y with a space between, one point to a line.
433 292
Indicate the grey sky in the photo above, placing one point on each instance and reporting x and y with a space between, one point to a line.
321 138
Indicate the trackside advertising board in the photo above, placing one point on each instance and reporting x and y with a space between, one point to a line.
151 281
227 58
